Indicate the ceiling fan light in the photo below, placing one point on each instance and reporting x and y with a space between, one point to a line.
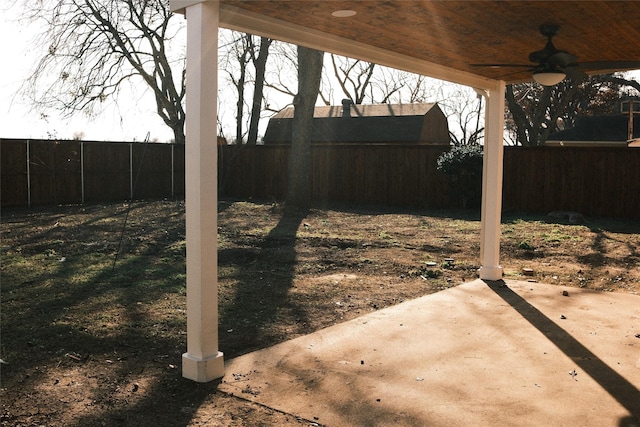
549 78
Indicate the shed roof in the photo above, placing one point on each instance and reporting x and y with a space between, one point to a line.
365 110
367 123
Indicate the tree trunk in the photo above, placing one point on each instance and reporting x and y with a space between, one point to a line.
242 61
178 134
309 76
260 63
240 103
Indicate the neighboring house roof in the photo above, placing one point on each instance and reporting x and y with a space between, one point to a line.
601 130
411 123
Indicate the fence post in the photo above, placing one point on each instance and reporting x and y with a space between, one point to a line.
131 171
82 170
28 172
173 193
52 168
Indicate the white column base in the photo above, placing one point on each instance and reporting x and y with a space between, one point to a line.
202 370
491 273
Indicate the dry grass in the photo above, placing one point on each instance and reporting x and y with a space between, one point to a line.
91 339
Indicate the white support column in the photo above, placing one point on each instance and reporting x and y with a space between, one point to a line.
492 185
202 362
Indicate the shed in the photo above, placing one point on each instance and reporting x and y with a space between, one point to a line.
423 123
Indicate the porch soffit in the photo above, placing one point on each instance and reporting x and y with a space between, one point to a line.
443 39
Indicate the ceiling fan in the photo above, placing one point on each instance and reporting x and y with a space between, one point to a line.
554 65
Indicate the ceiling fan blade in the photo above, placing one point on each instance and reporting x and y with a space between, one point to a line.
511 73
502 65
610 65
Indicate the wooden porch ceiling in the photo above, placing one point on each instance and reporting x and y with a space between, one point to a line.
444 38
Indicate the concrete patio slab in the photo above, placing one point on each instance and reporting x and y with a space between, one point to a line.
479 354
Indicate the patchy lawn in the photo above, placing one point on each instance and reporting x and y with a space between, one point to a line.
93 309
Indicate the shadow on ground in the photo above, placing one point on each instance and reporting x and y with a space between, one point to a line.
263 299
616 385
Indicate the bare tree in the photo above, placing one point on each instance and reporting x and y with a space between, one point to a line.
92 47
244 61
465 111
365 81
387 84
281 75
260 65
420 88
238 76
353 76
534 111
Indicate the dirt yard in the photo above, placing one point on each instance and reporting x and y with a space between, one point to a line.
93 297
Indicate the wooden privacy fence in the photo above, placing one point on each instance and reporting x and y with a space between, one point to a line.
36 172
595 181
600 181
385 174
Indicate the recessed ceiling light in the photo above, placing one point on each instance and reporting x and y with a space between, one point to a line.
345 13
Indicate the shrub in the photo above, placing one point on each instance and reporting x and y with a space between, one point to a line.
464 164
462 160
